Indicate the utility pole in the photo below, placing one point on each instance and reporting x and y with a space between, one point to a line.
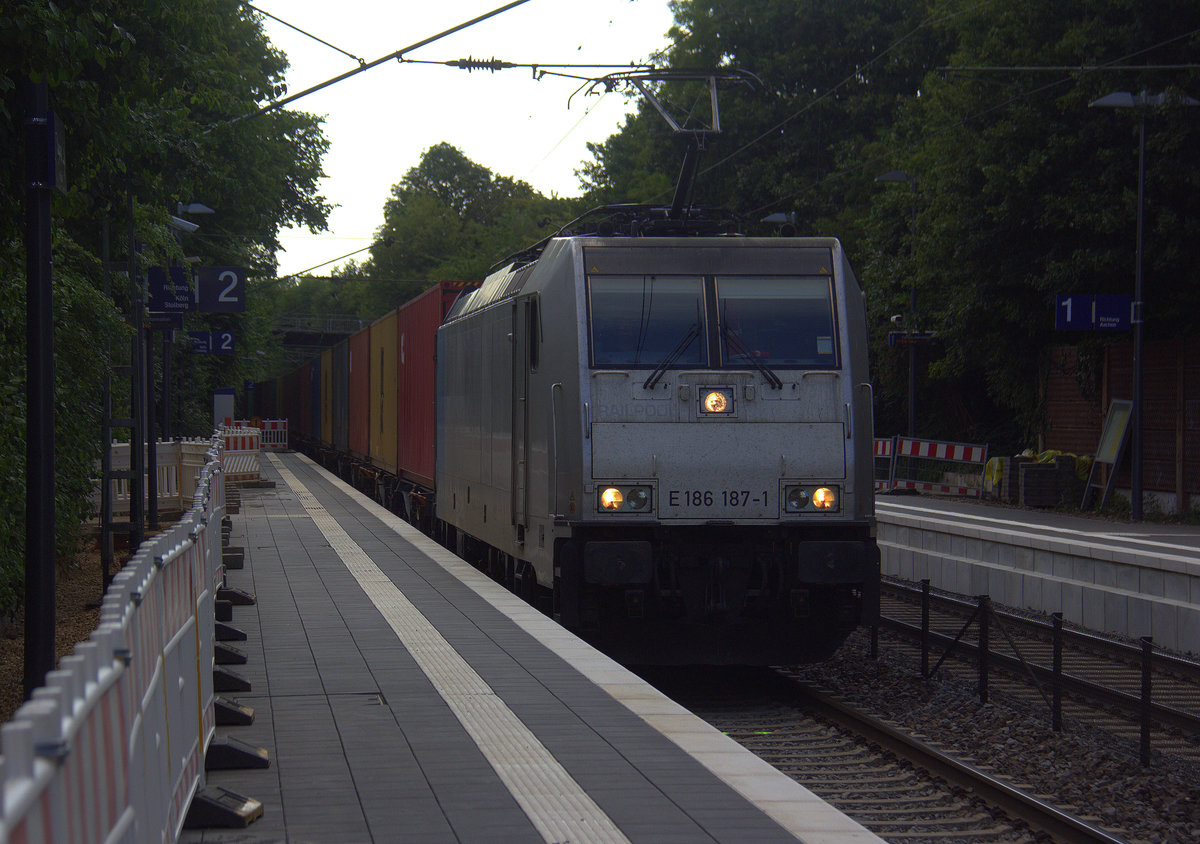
39 418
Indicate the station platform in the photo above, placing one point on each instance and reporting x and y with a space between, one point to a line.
403 696
1120 578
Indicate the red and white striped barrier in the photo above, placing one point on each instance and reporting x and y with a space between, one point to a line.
112 747
958 467
883 464
274 432
239 458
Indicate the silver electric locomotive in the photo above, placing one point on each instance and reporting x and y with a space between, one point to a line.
671 435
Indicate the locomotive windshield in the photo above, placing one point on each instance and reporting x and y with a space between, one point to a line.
776 321
658 321
640 320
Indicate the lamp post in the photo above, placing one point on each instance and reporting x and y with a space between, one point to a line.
1142 102
901 176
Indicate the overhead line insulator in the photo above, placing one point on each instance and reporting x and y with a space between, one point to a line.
471 63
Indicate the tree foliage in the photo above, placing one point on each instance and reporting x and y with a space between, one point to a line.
1022 191
148 94
448 219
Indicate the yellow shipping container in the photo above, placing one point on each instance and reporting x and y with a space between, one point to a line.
383 393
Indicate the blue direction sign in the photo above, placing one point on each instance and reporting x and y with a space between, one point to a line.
1113 312
222 343
212 342
221 290
201 342
169 290
1088 312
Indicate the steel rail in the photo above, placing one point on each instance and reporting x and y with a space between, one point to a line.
1062 826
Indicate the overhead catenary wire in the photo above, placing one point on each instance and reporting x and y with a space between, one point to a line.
274 104
267 14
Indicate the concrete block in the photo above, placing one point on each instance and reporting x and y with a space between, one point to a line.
1116 613
1031 592
1189 630
973 549
1139 621
1093 609
944 544
978 580
1129 578
1104 573
1164 624
991 551
1176 587
1072 602
1150 582
1062 566
1081 570
958 546
1052 595
1014 594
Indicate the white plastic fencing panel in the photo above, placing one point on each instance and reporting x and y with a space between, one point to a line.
112 748
179 464
273 432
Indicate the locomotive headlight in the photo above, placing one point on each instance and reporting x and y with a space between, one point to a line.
717 401
806 499
625 499
638 498
825 498
797 499
611 499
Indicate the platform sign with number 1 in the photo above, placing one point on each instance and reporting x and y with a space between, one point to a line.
221 290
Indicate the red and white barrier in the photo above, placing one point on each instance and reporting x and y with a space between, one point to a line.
239 458
883 464
958 467
111 748
274 432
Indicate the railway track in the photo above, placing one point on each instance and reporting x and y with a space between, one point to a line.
1142 696
899 786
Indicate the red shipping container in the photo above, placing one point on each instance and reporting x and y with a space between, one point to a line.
416 339
359 410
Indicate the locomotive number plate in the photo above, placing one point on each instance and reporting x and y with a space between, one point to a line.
723 498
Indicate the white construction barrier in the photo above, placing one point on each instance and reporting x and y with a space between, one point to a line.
240 455
112 748
177 472
274 436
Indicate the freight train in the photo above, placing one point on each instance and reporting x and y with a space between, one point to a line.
657 428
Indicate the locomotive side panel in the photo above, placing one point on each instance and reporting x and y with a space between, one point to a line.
474 454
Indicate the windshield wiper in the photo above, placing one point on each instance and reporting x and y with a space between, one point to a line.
740 347
680 348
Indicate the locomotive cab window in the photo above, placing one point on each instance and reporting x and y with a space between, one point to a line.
640 321
777 321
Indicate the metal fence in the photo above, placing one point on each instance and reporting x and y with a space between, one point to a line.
112 748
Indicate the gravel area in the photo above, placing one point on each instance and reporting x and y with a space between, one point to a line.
1094 773
77 612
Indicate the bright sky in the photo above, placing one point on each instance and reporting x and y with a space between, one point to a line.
381 120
